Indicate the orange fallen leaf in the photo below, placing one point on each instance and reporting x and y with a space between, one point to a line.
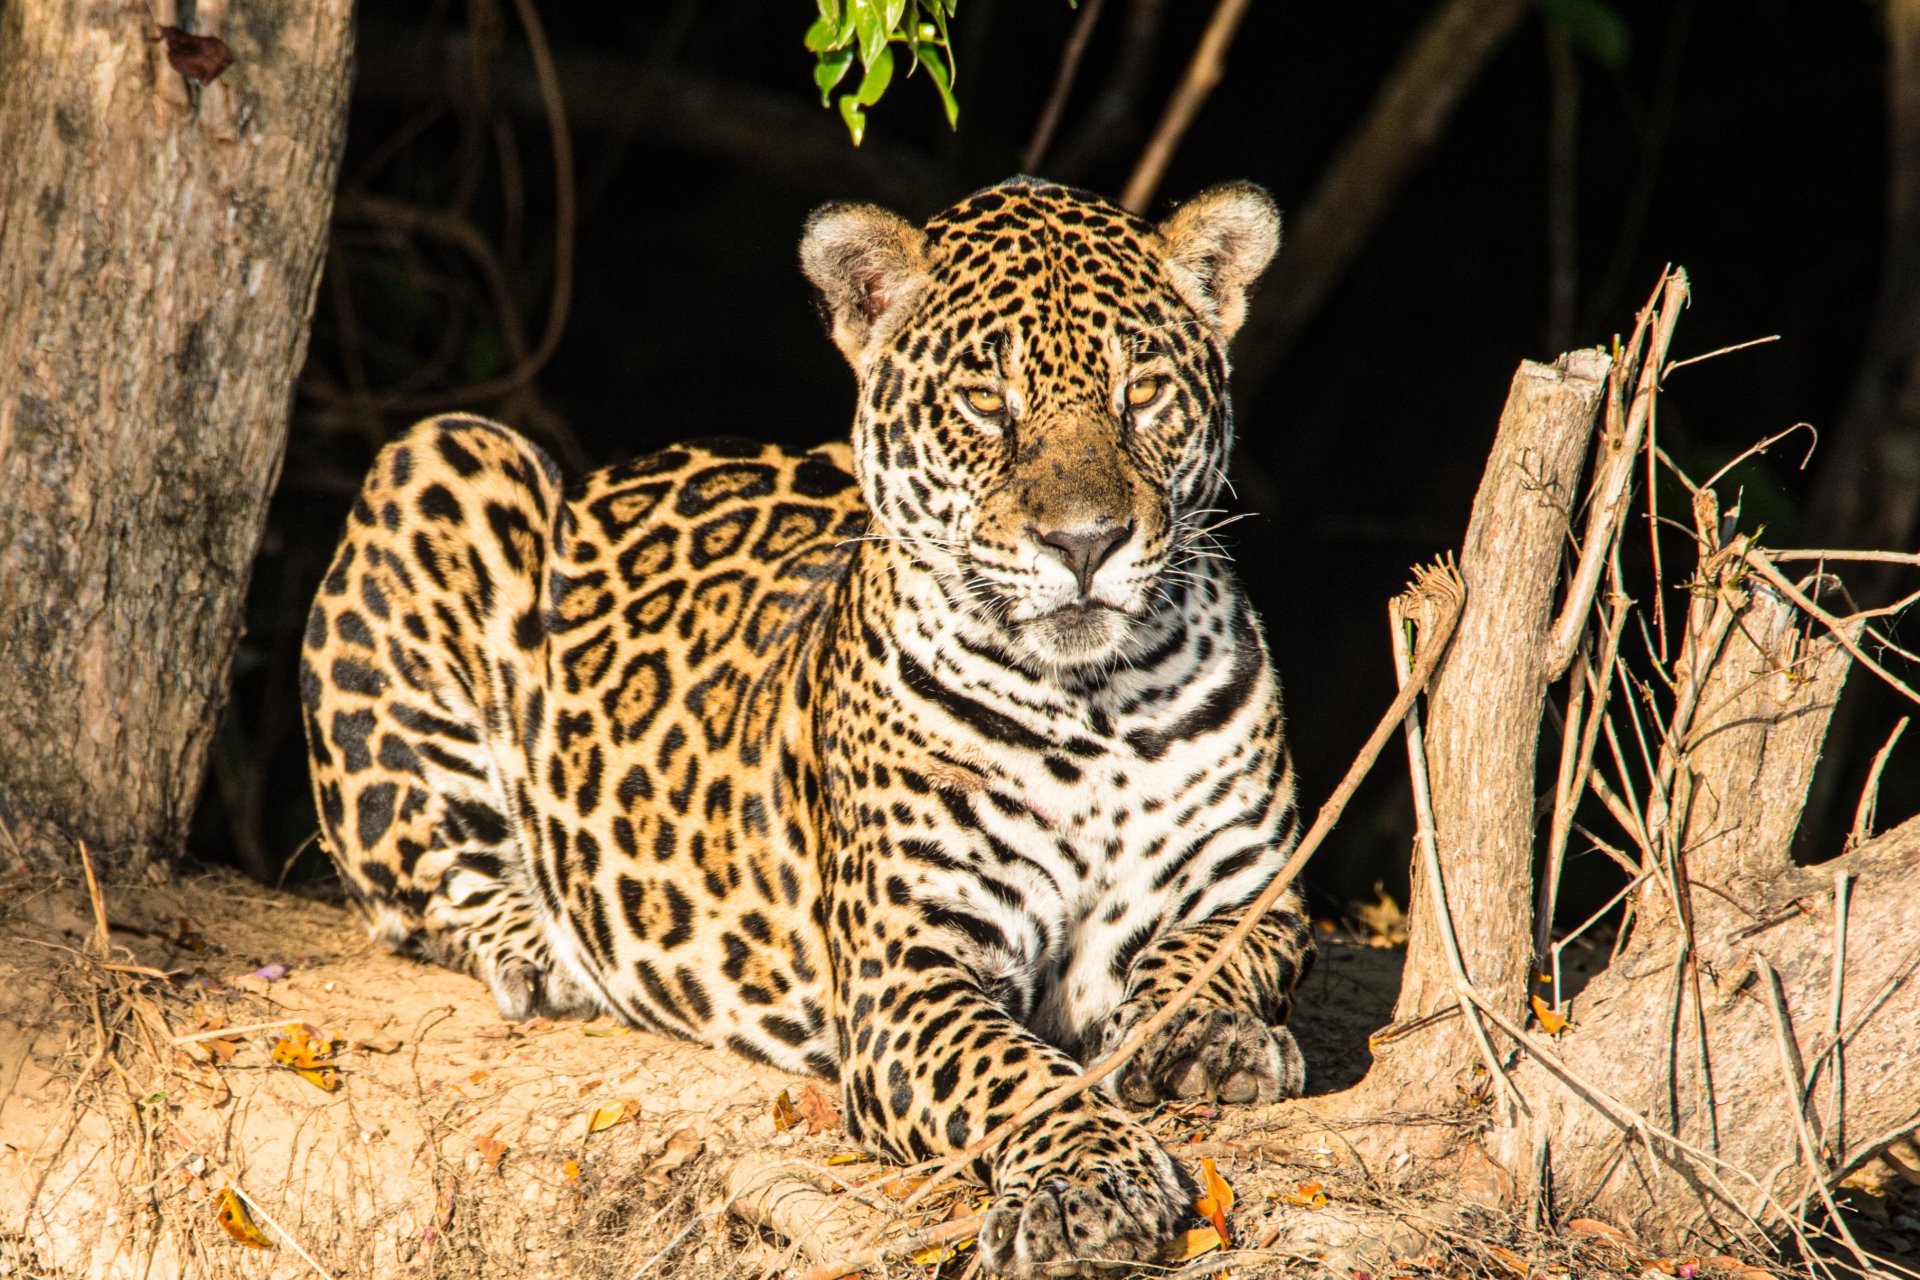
1310 1195
306 1049
570 1171
491 1148
1215 1198
1191 1244
327 1078
238 1223
1550 1022
785 1114
818 1109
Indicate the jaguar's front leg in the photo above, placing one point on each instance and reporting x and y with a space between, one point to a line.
931 1062
1230 1043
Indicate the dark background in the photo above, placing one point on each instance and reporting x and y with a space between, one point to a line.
1744 141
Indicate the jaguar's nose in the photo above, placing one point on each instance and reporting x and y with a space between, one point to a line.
1085 548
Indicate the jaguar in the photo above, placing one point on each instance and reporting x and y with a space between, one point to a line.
930 761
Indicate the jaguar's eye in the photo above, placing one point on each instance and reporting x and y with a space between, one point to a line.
1142 393
985 402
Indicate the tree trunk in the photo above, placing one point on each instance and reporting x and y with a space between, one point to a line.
160 247
1484 706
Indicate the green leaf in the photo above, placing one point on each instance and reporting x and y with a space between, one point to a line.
928 56
867 21
891 13
828 70
819 38
1595 25
878 76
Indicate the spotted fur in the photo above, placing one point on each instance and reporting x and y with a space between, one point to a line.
930 763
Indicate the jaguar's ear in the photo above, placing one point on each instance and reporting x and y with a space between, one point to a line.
864 263
1218 244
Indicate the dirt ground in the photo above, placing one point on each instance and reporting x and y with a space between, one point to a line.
156 1111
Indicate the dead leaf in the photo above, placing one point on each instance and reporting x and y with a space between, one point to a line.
570 1171
1309 1195
785 1114
188 936
610 1115
303 1045
490 1148
1382 920
682 1146
1215 1198
447 1197
238 1223
1191 1244
1550 1022
306 1049
818 1109
848 1157
604 1028
478 1076
200 58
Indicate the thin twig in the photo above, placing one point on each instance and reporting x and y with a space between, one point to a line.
1837 991
1765 569
1783 1044
1637 1125
1874 557
1430 860
1062 86
6 833
1580 737
1720 351
1445 618
1868 809
943 1233
1203 73
258 1210
99 904
1609 490
1755 450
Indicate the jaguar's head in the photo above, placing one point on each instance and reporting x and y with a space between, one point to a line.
1043 418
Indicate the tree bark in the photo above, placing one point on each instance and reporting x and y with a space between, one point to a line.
1483 725
160 247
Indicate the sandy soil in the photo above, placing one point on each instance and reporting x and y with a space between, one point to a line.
139 1088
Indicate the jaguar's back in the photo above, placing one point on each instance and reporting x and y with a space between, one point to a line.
542 721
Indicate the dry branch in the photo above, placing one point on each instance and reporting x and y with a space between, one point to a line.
1660 1105
1203 74
1484 710
1070 57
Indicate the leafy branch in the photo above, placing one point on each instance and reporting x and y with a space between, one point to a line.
868 30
